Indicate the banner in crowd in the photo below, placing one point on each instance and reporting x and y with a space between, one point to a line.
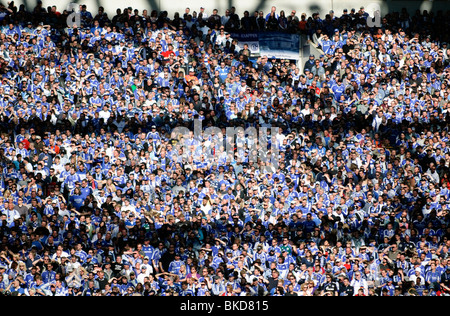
280 45
251 39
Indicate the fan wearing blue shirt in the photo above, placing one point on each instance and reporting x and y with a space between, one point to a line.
174 266
49 276
148 249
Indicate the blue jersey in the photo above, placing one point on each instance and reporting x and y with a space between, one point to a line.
148 251
48 276
433 277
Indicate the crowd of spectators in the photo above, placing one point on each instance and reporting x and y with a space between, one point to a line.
97 198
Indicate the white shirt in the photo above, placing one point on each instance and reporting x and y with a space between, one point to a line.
104 114
357 284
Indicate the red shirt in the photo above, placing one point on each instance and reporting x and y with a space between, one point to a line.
26 144
167 54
